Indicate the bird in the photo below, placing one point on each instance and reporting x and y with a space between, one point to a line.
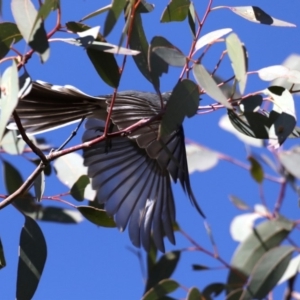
131 174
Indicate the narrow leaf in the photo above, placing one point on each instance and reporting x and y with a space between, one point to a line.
272 72
11 144
12 177
257 15
163 269
192 19
2 257
9 88
183 101
238 58
197 267
269 270
96 12
207 83
161 289
238 202
39 186
200 158
77 190
291 160
97 216
9 34
211 37
171 56
265 236
176 10
256 170
25 14
113 15
32 258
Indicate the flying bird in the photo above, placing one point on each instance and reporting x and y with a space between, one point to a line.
130 174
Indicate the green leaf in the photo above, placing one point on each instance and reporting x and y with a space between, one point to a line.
192 19
269 270
106 66
144 7
11 144
157 65
39 186
210 38
45 10
113 15
256 170
2 257
183 101
257 15
197 267
69 168
12 177
77 190
25 14
59 215
96 216
265 236
194 294
163 269
48 168
239 203
9 34
171 55
161 289
151 257
291 160
176 10
237 57
9 88
32 258
213 290
200 158
96 12
207 83
138 41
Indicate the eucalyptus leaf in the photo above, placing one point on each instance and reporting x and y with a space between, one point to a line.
207 83
176 10
183 102
9 34
164 287
210 37
265 236
163 269
97 216
33 32
39 186
257 15
114 12
9 87
238 58
32 258
269 270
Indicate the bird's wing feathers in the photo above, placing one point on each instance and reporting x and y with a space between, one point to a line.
168 151
132 186
131 175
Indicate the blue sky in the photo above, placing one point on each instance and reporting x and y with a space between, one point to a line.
86 262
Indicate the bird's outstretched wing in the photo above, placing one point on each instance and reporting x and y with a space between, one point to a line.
131 174
133 187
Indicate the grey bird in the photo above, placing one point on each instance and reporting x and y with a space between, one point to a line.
130 174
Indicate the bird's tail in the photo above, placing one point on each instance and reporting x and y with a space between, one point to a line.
46 107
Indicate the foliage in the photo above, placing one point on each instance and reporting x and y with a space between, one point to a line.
265 255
